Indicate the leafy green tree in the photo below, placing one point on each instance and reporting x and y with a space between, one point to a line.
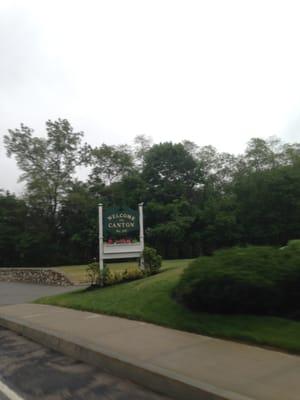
142 144
13 215
196 198
170 172
290 154
217 224
169 227
191 147
110 163
47 163
218 168
79 224
130 191
262 154
268 206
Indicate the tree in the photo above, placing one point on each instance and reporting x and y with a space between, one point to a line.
128 192
218 168
191 148
13 216
48 163
110 163
169 227
290 153
142 144
262 154
268 206
196 198
170 172
78 221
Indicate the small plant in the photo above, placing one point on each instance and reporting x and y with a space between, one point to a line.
107 277
93 274
113 278
152 261
132 274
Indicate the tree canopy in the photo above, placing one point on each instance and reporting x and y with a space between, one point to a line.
196 198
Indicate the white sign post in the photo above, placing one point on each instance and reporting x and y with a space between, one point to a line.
114 251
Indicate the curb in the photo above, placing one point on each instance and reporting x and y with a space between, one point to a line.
144 374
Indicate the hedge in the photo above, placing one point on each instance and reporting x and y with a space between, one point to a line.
250 280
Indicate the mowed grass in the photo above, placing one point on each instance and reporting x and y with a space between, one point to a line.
78 273
150 299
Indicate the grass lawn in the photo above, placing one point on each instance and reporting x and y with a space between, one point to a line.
77 273
150 299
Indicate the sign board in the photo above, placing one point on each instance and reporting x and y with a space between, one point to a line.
120 221
121 233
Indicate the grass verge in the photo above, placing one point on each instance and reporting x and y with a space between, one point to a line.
150 299
77 273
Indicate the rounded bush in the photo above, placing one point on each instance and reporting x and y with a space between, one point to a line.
293 245
252 280
152 261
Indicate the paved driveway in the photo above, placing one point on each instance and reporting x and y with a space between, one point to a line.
15 293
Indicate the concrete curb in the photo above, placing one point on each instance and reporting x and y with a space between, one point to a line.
151 377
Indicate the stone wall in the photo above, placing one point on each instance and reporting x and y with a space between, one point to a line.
41 276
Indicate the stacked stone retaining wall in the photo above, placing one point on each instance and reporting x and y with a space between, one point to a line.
42 276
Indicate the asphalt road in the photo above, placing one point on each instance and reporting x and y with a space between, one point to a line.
15 292
29 371
34 373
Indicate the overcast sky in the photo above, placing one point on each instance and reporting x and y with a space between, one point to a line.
214 72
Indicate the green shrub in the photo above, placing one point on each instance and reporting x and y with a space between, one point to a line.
152 261
115 277
108 277
293 245
254 280
132 274
289 280
93 273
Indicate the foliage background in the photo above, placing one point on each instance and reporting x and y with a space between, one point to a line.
196 199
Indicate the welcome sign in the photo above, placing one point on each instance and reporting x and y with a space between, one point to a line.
120 221
121 234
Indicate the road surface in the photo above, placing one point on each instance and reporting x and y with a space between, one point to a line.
32 372
29 371
15 292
